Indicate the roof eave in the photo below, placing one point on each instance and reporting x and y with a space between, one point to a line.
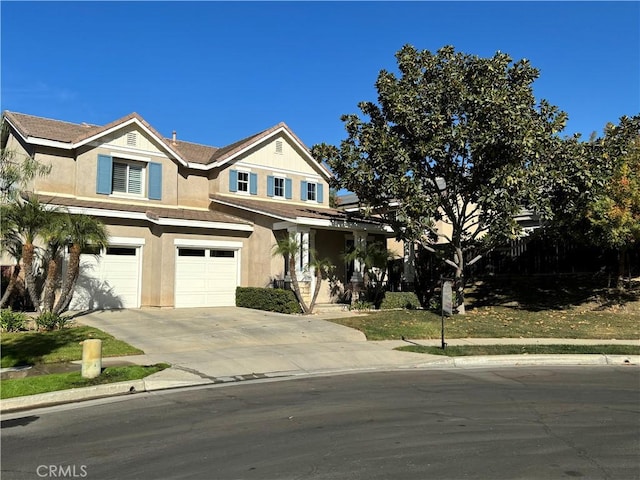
283 129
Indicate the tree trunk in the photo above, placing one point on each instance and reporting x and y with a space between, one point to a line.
621 261
49 291
459 282
294 282
73 269
13 280
29 278
316 290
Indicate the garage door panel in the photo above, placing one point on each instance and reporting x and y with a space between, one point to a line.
108 281
205 281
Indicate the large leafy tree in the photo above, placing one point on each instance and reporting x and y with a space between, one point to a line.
453 137
614 213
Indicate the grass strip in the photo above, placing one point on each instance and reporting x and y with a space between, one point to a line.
29 348
497 322
466 350
63 381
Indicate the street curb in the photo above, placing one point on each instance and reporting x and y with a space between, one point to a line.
148 384
543 360
70 396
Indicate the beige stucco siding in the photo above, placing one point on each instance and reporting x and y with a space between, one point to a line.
264 161
290 160
192 188
222 183
133 138
74 172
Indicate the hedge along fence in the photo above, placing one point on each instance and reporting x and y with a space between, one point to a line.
269 299
407 300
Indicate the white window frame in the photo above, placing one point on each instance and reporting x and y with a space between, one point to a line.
243 182
283 181
311 193
143 175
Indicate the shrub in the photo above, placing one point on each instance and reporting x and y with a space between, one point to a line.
362 305
11 321
408 300
269 299
51 321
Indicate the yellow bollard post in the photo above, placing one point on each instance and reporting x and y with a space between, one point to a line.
91 358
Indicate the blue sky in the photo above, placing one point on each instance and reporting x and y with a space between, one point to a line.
219 71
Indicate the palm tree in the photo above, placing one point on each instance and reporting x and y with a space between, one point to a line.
322 268
54 235
12 246
29 217
288 247
80 231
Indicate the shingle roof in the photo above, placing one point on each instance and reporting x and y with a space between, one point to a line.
153 213
291 211
46 128
56 130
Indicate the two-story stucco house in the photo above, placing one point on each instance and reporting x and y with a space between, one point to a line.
187 223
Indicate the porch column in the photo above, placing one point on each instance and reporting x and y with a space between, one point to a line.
302 236
409 262
312 271
359 241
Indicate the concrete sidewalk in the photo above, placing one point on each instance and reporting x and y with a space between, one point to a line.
229 344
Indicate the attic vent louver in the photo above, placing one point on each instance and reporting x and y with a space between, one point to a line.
132 139
278 146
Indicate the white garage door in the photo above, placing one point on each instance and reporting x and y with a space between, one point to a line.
206 277
108 279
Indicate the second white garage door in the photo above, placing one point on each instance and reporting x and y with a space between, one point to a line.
206 277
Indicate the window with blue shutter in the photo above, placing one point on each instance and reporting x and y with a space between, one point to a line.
288 189
155 181
319 192
253 183
270 185
103 180
303 190
233 180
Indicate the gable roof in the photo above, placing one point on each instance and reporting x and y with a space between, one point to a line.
302 214
56 133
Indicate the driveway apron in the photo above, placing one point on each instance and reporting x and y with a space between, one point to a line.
231 341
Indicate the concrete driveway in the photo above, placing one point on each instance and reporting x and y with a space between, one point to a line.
231 341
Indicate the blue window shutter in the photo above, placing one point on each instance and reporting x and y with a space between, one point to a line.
270 185
319 195
303 190
253 183
233 180
103 180
288 187
155 181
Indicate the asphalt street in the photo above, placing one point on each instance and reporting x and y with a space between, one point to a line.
509 423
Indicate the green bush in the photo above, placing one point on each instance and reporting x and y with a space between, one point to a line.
11 321
362 305
51 321
269 299
408 300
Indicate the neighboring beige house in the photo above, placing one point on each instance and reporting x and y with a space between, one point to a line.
187 223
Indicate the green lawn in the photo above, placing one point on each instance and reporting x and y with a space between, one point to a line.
62 381
464 350
497 322
30 348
